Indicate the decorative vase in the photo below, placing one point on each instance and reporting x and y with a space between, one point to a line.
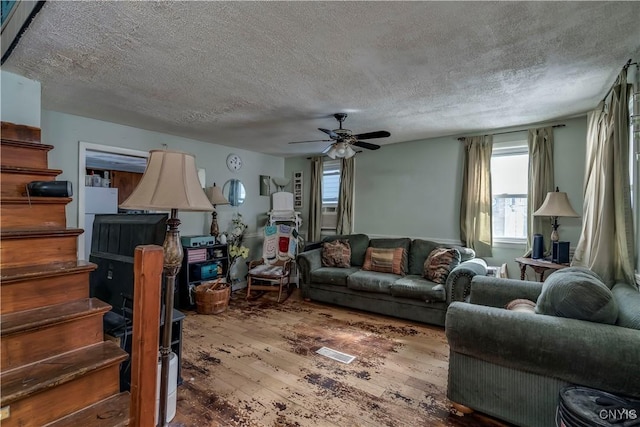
222 239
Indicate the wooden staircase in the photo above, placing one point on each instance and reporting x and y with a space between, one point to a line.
55 367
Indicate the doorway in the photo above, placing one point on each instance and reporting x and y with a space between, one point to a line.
101 157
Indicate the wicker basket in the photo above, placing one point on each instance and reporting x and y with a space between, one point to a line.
212 297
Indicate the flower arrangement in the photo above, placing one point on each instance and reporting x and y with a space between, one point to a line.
234 240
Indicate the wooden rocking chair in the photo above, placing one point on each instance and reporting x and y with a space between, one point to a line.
269 277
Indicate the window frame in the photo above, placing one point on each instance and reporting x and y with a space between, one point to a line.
504 149
329 217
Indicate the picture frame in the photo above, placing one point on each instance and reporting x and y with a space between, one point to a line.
298 186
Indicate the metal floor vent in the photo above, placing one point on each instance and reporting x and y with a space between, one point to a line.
336 355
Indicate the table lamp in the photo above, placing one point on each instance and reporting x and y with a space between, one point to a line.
216 198
170 183
556 204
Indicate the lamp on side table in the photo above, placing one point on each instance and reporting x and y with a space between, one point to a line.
555 205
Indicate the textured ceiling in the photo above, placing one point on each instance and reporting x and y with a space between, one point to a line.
257 75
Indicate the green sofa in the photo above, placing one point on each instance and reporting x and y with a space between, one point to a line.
409 297
512 364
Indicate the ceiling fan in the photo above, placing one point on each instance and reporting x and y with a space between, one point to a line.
343 140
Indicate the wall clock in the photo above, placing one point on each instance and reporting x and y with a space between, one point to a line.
234 162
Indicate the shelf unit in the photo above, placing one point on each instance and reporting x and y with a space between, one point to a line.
200 264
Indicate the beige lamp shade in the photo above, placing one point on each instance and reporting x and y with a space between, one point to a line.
556 204
215 196
169 182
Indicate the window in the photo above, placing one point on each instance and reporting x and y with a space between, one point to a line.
509 187
330 192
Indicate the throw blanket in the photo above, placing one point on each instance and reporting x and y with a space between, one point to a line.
280 242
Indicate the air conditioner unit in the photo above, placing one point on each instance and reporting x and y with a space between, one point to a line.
329 217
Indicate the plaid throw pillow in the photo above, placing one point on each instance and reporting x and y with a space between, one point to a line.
336 254
439 264
385 260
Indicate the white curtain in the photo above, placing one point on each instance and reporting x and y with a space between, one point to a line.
475 206
315 201
541 182
345 197
606 243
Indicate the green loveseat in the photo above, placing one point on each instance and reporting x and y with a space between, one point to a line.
409 297
512 364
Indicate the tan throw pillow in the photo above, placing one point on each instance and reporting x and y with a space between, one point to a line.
385 260
336 254
439 264
523 305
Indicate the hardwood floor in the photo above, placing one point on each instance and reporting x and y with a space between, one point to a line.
255 365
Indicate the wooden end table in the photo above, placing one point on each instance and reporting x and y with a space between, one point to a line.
538 265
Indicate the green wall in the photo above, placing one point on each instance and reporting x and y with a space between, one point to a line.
20 100
64 131
413 188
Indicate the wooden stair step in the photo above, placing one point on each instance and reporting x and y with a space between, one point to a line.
23 133
33 286
38 246
33 335
15 179
111 412
23 212
23 153
38 318
48 390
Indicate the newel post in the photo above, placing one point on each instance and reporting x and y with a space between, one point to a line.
147 289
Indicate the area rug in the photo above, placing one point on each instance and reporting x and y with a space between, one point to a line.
256 365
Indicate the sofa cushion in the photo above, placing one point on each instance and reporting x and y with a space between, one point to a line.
420 250
418 253
385 260
370 281
400 242
358 243
417 287
332 275
336 254
439 264
628 299
577 293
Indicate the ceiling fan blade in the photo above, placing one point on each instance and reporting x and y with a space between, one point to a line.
371 135
367 145
326 150
331 133
313 140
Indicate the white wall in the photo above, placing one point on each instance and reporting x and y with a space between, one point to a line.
413 188
64 131
20 100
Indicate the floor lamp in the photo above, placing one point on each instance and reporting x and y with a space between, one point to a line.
170 183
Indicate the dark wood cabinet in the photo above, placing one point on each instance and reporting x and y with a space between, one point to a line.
125 182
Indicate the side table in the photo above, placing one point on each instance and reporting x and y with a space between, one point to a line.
538 265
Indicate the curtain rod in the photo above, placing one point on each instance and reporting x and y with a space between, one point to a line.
561 125
627 65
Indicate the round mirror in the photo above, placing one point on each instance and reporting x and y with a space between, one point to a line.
233 191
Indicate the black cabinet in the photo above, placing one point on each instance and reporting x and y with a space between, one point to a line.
199 264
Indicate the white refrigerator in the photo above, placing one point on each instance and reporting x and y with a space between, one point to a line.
98 200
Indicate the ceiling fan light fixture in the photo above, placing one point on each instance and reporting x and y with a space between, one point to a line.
332 153
350 152
341 149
